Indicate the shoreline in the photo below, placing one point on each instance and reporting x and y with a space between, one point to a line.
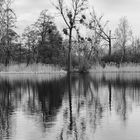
124 68
31 69
74 72
36 73
40 69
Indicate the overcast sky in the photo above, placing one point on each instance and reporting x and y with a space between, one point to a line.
28 11
114 9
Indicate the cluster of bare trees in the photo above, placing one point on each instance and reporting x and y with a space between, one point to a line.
99 45
42 42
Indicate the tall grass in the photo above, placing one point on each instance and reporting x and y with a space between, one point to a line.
127 67
32 68
51 69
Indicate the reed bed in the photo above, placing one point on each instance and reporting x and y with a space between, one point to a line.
31 69
110 68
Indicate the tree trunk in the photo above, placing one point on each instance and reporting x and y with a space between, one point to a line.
109 53
28 58
7 57
69 52
37 56
124 54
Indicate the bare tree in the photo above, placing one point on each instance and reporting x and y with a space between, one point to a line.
124 36
9 19
71 15
98 27
30 39
2 16
43 25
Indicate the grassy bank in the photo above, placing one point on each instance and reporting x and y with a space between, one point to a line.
32 68
30 77
109 68
51 69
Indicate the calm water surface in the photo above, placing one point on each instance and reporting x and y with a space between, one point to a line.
79 107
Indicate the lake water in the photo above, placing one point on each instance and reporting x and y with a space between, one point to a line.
77 107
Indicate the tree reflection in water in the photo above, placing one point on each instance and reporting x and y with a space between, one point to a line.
33 97
71 107
85 109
